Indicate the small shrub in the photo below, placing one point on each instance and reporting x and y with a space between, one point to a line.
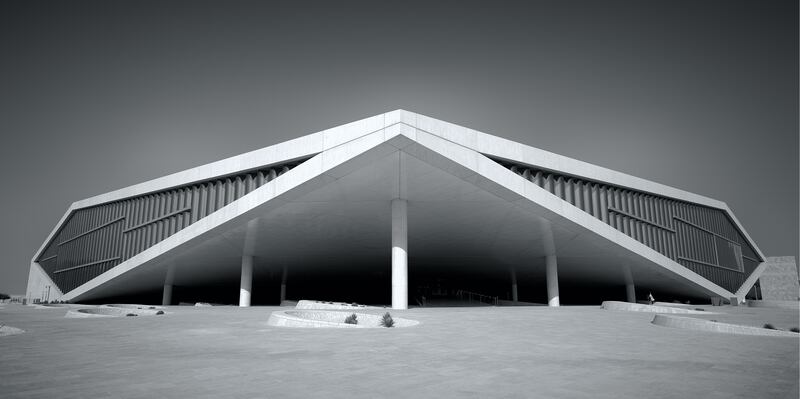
769 327
152 307
130 314
352 319
795 329
160 312
387 321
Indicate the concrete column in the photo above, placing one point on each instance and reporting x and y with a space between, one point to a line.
283 284
552 280
166 296
246 284
630 289
399 254
514 296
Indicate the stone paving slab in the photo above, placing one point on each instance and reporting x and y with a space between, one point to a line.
514 352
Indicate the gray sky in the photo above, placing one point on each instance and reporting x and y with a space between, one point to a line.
95 96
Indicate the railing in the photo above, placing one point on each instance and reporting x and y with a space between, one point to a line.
482 298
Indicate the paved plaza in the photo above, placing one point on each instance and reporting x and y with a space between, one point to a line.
480 352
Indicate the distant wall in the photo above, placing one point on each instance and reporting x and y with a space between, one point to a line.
779 282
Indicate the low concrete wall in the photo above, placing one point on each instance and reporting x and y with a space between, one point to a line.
52 306
679 305
637 307
134 306
689 323
311 304
8 330
795 305
504 302
329 319
112 311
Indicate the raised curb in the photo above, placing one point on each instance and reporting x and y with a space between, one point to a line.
638 307
8 330
311 304
116 310
794 305
689 323
329 319
678 304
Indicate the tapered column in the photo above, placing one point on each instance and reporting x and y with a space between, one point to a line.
283 284
166 296
630 290
399 254
514 296
246 284
552 280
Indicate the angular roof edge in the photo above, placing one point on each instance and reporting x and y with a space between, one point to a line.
324 140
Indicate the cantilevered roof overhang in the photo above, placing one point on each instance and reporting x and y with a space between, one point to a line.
465 210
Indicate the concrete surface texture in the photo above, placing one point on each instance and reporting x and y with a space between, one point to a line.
513 352
779 279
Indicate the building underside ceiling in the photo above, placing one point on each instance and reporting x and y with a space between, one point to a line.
454 226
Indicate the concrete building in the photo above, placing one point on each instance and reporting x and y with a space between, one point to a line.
398 208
